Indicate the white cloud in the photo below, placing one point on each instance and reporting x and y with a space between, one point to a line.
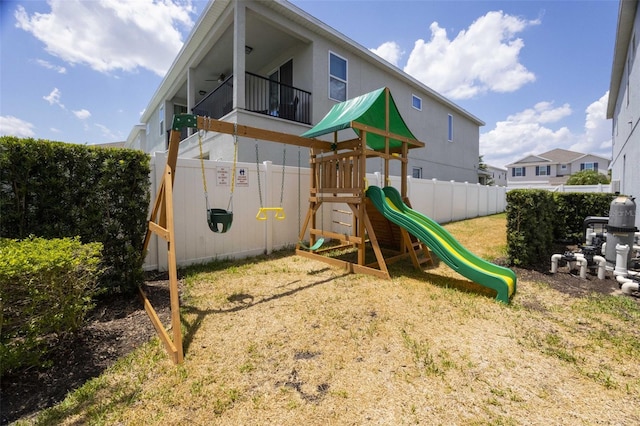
49 65
110 35
523 133
389 51
528 132
106 132
597 130
82 114
54 98
482 58
13 126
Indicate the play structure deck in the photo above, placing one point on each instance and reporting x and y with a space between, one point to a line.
380 219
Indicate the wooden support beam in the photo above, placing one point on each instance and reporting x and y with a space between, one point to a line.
347 266
213 125
352 239
414 143
161 224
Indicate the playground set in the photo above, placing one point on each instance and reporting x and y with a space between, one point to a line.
381 218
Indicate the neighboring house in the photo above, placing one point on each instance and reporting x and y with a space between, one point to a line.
553 167
624 101
270 65
493 176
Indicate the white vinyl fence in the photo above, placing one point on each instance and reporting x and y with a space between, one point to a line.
195 243
571 188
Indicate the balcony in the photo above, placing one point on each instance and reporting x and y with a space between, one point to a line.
263 96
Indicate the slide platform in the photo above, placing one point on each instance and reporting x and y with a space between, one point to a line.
389 202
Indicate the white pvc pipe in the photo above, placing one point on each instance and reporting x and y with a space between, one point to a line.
602 263
554 262
622 252
603 249
628 286
582 262
589 237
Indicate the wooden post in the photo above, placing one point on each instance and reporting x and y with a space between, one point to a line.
386 138
362 174
161 224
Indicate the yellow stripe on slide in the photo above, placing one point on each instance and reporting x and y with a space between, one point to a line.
454 252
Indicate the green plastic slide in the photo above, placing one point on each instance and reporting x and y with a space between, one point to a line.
389 202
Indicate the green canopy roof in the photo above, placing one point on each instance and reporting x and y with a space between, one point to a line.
369 110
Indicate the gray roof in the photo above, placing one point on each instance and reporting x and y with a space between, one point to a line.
561 155
555 156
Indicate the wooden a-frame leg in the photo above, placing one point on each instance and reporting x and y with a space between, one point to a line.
164 228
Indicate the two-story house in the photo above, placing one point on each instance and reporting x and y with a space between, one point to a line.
624 101
269 64
492 175
552 168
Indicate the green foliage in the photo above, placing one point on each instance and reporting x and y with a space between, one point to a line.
571 210
56 190
537 218
46 288
530 215
587 177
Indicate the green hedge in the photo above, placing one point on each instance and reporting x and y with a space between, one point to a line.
571 210
46 288
537 218
529 225
55 190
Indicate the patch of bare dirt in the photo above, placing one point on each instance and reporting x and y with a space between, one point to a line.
114 328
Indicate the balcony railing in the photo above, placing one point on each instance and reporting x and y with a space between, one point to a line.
217 103
263 96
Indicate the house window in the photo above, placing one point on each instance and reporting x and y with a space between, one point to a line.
518 172
589 166
337 77
161 118
417 172
543 170
416 102
450 127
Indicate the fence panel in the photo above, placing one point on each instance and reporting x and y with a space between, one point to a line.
566 188
195 243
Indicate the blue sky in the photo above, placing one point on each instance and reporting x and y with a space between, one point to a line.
536 72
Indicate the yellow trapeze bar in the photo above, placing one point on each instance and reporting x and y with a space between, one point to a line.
262 213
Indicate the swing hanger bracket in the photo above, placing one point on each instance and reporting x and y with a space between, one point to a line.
184 120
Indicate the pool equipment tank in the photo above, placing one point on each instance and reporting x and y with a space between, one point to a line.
621 228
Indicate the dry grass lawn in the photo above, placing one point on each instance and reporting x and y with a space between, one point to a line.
285 340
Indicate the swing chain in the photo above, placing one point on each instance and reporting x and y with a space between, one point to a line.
299 193
204 179
258 170
284 158
233 169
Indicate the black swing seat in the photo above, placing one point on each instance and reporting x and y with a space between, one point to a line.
219 220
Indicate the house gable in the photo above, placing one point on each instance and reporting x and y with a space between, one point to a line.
553 167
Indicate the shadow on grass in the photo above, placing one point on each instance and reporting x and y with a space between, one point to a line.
405 268
247 301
